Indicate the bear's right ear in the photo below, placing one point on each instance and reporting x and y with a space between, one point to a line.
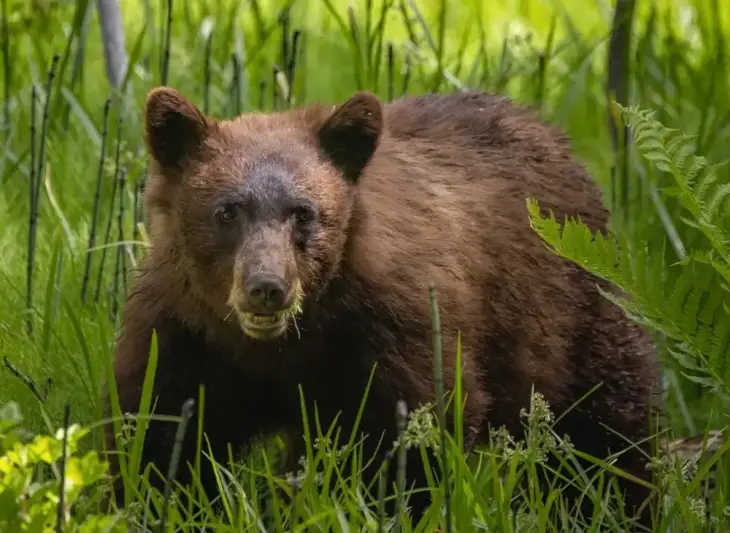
351 134
174 128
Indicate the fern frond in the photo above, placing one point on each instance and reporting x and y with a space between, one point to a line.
696 184
716 200
679 300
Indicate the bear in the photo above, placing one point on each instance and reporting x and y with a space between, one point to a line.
297 248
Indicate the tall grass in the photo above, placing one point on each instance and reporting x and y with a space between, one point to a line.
72 167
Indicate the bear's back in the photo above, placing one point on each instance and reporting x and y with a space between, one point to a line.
443 201
468 160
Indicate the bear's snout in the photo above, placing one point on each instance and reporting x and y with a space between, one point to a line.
267 293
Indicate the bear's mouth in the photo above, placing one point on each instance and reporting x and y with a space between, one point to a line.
267 326
264 327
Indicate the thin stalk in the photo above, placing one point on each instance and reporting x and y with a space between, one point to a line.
112 201
166 51
97 200
391 73
440 407
33 215
236 85
291 66
207 74
186 414
262 94
6 63
401 419
120 265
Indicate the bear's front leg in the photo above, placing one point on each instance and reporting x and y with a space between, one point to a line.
185 363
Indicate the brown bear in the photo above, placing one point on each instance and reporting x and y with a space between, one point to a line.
297 248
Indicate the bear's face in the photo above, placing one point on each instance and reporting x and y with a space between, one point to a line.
258 207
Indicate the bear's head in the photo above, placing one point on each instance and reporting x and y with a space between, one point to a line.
254 212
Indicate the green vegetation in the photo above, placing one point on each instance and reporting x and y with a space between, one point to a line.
669 249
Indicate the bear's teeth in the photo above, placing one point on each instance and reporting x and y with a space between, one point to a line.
262 319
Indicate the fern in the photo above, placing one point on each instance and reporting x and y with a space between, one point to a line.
696 185
675 300
686 301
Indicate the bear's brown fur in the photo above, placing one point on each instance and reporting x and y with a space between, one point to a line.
360 207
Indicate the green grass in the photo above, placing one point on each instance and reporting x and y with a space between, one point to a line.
678 66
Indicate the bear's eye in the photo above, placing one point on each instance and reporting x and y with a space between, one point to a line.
226 214
304 214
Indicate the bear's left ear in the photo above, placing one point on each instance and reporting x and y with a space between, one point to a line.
351 133
175 129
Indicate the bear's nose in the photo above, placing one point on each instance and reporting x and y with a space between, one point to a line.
265 293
